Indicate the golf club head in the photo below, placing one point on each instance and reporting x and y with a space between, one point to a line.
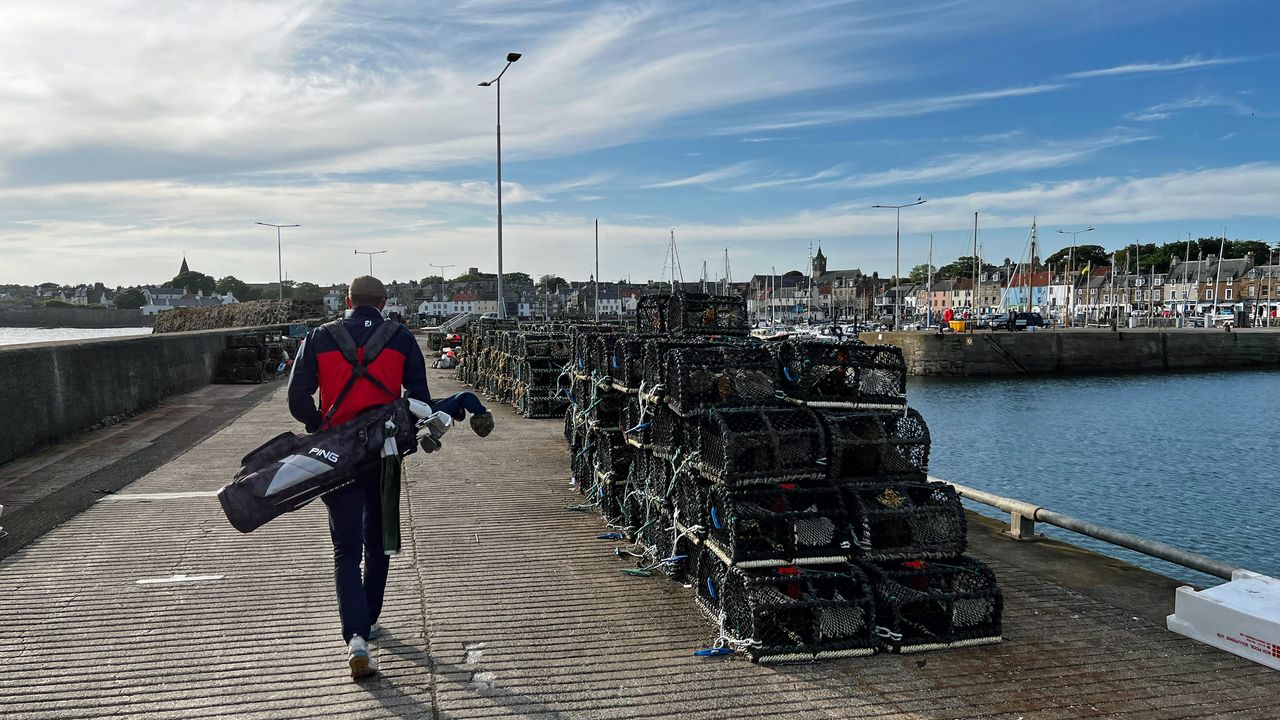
482 423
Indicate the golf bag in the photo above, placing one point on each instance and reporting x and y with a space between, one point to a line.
291 470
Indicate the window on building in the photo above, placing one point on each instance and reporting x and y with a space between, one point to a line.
1227 296
1208 294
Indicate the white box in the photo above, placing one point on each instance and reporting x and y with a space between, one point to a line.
1241 616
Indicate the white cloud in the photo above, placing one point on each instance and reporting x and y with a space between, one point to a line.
958 167
138 227
709 177
900 108
1162 111
173 89
1190 62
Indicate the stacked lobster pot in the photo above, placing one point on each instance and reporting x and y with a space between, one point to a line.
786 483
523 365
907 533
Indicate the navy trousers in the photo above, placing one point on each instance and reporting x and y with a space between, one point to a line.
355 525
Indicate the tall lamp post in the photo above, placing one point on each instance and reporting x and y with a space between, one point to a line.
442 269
1071 264
279 255
897 258
370 253
496 82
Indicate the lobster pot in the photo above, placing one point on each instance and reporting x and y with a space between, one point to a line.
905 520
580 388
656 355
600 358
603 405
929 605
669 434
660 477
702 314
782 524
612 455
847 373
635 420
582 465
574 431
690 502
651 313
541 377
664 546
790 614
627 365
697 378
581 346
875 446
754 445
639 508
540 406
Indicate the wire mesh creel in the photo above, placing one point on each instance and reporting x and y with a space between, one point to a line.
791 613
905 520
779 524
848 373
934 604
876 446
761 445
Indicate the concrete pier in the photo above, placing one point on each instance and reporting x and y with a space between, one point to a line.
1081 351
504 604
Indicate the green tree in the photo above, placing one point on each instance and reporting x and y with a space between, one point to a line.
309 292
194 282
237 287
962 267
130 299
432 280
920 273
551 282
1084 255
473 277
517 278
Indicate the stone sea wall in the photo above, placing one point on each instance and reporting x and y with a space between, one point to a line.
246 314
56 390
1080 352
78 317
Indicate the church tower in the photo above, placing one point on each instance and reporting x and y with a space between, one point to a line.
184 267
819 263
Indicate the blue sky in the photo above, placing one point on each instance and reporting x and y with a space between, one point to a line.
137 131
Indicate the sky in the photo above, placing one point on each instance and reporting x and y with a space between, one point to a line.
133 133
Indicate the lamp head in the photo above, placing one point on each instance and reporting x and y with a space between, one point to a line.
486 83
512 57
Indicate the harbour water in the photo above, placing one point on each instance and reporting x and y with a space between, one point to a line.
1189 459
20 335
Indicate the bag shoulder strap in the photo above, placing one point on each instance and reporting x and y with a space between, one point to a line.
359 362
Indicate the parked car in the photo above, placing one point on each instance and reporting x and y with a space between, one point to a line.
1017 321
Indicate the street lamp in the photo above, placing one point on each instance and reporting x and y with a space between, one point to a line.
496 82
897 257
1071 263
370 253
279 255
442 269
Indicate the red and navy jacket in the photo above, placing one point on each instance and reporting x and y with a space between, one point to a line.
321 366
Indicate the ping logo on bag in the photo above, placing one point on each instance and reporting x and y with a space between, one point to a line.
329 455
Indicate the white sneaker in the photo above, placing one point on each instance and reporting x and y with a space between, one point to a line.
374 631
362 664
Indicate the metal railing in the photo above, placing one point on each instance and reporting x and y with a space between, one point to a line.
1023 517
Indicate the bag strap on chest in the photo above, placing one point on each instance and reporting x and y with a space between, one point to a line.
359 362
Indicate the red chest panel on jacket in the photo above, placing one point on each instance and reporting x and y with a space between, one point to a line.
334 370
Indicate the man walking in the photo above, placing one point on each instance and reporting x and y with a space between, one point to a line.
357 363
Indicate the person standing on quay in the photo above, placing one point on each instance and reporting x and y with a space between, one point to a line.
347 387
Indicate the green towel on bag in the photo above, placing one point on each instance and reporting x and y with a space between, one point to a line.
391 468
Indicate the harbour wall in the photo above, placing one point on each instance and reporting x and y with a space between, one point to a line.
1080 352
52 391
75 318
